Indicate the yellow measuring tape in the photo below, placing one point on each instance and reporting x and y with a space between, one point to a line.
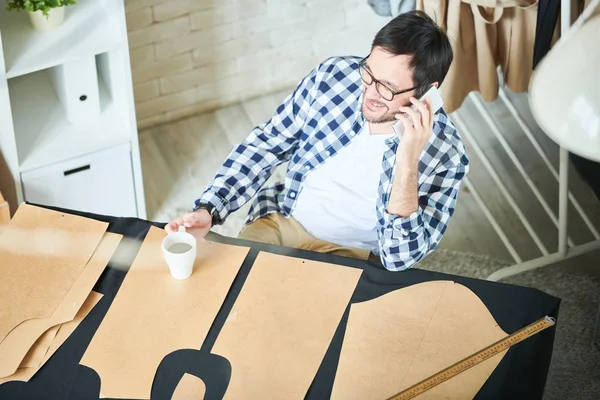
474 359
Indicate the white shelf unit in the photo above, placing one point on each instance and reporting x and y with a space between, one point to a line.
90 27
38 140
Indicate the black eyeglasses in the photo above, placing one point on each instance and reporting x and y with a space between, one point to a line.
384 91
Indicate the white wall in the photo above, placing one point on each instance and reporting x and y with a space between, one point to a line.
190 56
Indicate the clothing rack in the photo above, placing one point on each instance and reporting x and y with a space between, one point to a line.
566 248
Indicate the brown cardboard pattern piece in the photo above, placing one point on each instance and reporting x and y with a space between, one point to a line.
189 387
65 330
42 252
282 324
36 353
398 339
16 345
153 314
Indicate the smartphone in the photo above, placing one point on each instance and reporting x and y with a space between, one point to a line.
436 103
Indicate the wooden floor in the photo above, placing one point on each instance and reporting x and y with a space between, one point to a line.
179 159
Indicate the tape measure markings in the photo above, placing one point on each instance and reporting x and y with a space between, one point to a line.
474 359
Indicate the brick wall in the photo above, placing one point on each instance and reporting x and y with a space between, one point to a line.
189 56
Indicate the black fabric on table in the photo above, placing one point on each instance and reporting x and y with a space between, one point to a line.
521 373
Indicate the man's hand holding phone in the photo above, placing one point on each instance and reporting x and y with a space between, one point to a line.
418 128
415 127
415 124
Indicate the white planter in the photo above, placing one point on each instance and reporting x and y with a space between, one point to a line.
55 18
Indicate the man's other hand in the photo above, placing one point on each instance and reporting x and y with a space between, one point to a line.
198 223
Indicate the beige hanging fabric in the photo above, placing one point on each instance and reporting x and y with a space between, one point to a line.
485 35
517 39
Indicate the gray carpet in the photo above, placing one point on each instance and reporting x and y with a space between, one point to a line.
575 369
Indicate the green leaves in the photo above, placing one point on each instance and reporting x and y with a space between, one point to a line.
37 5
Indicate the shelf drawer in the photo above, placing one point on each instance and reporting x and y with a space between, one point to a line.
100 182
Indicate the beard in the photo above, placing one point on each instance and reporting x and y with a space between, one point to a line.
387 116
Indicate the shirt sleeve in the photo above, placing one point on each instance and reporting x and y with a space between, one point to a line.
405 241
251 163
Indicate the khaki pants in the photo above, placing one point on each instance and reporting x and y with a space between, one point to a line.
279 230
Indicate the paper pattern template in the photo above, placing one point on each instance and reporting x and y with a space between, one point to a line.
36 353
154 314
42 252
398 339
282 324
19 341
65 330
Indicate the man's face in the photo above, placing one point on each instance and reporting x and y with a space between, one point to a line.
393 71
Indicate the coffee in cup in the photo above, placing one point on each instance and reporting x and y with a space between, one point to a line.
179 250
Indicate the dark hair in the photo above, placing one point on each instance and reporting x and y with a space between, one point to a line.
414 33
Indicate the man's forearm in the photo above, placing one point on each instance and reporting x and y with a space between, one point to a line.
404 196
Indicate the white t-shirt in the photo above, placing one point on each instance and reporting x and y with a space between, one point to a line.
338 198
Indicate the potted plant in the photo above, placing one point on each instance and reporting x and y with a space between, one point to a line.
45 15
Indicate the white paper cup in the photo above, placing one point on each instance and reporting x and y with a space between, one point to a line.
179 250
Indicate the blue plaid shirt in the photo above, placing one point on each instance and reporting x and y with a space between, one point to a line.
320 117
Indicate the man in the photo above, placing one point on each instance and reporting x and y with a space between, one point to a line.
352 186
